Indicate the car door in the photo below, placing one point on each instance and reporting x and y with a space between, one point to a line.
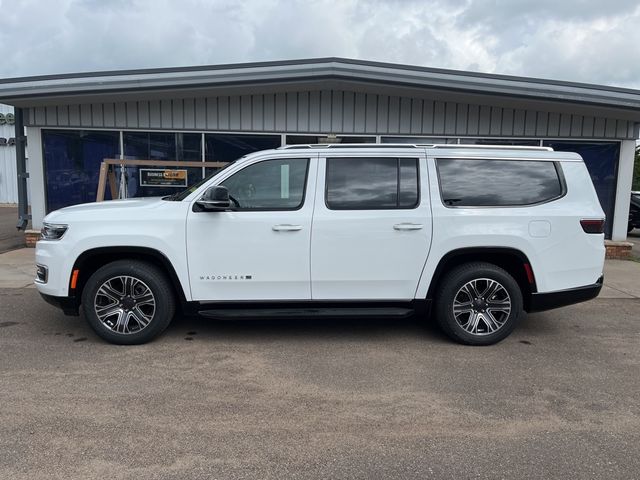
371 227
259 249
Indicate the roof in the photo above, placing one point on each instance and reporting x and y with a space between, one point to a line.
19 91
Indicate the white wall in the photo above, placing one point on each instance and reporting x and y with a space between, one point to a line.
8 179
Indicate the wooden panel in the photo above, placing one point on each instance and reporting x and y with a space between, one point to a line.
438 118
325 111
507 121
621 128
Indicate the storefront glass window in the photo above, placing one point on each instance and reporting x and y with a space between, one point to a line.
72 164
601 159
160 146
228 148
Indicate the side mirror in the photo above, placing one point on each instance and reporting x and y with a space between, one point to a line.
215 199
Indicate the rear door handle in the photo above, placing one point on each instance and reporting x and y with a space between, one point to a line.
408 226
285 227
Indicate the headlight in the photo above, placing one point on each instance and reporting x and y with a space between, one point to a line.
52 231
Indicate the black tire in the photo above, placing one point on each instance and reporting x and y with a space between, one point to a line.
453 283
158 309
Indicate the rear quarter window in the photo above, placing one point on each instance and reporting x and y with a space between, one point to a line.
491 183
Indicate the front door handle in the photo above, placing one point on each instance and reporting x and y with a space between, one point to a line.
286 227
408 226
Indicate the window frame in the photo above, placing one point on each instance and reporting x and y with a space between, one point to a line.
265 209
557 165
397 207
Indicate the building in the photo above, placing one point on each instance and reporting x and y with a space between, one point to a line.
8 172
218 113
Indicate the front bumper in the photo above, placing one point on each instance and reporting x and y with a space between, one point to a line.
548 300
69 305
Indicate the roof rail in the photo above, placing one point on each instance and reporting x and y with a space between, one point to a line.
414 145
490 147
352 145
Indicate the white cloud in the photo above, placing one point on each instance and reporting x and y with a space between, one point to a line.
581 40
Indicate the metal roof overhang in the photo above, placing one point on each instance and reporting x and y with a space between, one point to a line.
320 74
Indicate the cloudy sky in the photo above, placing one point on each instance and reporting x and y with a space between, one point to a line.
591 41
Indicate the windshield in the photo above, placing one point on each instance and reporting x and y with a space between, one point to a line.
182 194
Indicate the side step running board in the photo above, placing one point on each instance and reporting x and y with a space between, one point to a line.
340 312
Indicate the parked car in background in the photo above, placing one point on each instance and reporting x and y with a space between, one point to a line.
634 211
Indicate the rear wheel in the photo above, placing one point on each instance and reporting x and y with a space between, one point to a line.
128 302
478 304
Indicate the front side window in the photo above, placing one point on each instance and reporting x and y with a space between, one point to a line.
371 183
491 183
269 185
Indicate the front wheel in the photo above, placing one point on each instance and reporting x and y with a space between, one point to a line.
128 302
478 304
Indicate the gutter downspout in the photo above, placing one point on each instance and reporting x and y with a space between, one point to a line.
21 163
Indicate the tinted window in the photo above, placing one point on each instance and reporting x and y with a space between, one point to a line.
269 185
72 164
497 182
371 183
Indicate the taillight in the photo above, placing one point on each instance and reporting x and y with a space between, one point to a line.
593 226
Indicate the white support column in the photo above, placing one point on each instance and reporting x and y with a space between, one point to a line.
623 190
36 177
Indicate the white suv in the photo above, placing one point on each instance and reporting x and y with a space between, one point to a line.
479 233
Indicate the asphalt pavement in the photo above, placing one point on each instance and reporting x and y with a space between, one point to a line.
344 399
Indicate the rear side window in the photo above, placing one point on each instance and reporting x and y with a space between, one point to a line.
371 183
486 183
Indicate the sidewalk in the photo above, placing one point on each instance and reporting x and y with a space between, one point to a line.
621 277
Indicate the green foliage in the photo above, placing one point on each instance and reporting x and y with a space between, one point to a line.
636 171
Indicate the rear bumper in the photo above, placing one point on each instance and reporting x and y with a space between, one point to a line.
69 305
548 300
